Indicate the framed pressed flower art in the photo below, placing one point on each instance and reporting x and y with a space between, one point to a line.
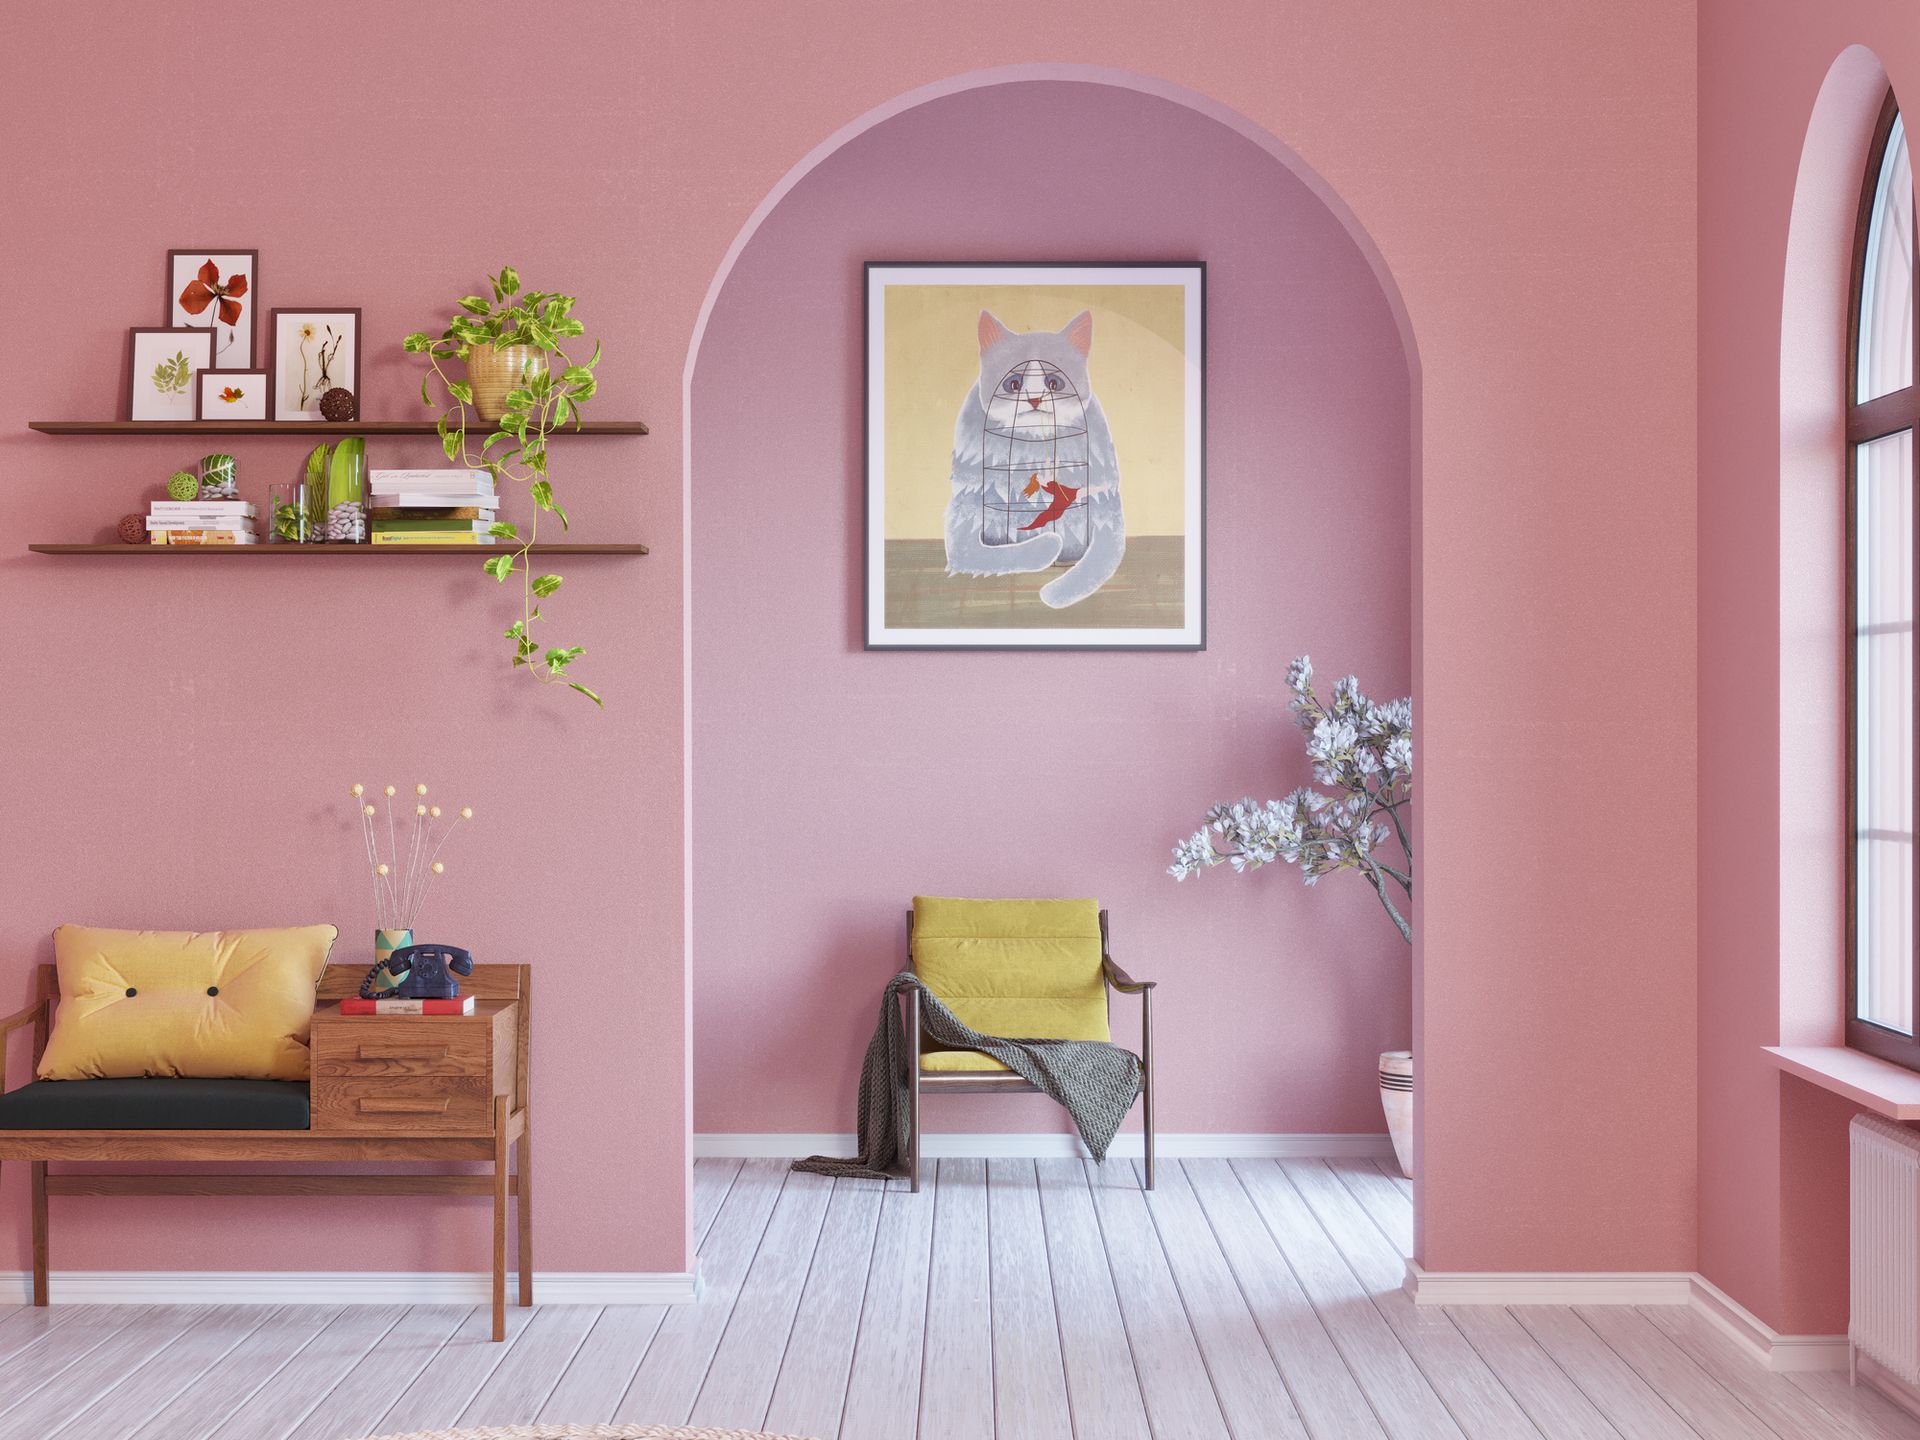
216 289
314 351
232 394
165 370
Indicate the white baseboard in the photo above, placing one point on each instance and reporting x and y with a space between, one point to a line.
1660 1287
1759 1339
1571 1287
1059 1145
1876 1376
344 1287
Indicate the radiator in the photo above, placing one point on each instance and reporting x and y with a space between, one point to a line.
1884 1245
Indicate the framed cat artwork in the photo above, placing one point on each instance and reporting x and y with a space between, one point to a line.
1035 456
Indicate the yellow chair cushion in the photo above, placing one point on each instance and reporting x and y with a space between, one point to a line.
949 1062
1027 969
226 1005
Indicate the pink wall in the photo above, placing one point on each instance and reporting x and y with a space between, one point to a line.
1785 119
182 742
870 777
1522 171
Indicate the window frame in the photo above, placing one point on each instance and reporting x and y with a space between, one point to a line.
1866 421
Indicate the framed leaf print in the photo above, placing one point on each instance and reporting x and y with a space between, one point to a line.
1035 456
216 289
232 394
313 352
166 363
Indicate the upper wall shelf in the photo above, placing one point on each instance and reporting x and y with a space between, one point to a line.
299 427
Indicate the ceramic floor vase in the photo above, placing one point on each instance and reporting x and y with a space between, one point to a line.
1396 1098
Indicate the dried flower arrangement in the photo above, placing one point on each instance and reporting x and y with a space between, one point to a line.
1363 750
401 881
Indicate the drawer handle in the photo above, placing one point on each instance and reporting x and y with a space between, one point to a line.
395 1105
403 1052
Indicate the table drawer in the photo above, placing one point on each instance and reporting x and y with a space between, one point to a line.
440 1105
394 1047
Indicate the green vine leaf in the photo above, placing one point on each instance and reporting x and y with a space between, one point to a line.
499 566
545 585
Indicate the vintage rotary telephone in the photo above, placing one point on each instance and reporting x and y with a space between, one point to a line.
417 972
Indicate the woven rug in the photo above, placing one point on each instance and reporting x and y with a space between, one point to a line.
597 1432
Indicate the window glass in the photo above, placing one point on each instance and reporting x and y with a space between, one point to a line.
1883 731
1885 362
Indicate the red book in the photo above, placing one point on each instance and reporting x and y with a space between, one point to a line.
459 1005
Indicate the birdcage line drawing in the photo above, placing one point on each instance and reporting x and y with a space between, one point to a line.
1035 462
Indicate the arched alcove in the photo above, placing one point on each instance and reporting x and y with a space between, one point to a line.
828 785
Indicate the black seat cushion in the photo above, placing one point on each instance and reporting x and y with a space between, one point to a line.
156 1103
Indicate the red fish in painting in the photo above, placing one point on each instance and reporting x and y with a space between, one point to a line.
1063 496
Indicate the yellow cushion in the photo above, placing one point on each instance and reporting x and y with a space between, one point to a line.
228 1004
1028 969
946 1062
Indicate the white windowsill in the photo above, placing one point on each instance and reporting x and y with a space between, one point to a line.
1881 1086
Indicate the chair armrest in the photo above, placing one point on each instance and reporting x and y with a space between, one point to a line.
1123 982
13 1022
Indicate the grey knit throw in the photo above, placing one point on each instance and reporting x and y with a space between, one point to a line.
1096 1081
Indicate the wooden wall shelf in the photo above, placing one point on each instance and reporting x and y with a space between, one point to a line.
470 552
302 427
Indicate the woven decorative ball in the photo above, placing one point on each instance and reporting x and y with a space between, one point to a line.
339 404
133 529
183 485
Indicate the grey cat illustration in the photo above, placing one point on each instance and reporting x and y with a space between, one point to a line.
1036 482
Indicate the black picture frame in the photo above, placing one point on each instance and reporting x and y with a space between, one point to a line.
1191 638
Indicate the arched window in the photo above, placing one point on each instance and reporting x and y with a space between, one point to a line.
1883 412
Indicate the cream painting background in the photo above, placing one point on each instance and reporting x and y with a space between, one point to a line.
1137 367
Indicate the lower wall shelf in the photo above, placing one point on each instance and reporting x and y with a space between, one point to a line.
322 551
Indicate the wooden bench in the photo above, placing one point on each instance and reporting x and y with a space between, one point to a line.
418 1087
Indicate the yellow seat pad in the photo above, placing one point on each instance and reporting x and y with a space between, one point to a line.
224 1004
1026 969
947 1062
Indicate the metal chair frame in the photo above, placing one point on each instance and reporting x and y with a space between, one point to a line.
1006 1082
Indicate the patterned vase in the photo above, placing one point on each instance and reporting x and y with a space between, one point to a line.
385 942
217 478
1396 1098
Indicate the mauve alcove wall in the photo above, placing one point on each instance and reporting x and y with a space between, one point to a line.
830 785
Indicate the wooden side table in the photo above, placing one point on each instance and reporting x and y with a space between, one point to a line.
436 1078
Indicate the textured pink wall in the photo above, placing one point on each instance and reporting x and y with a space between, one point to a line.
1785 118
182 739
1524 172
870 777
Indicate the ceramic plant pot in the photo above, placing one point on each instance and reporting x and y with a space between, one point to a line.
1396 1098
493 370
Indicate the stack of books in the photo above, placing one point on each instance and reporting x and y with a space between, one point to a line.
201 522
433 507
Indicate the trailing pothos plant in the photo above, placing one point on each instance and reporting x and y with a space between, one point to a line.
550 395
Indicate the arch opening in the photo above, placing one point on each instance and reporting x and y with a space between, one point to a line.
1313 426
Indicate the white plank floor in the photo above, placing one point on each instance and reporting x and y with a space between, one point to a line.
1022 1301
